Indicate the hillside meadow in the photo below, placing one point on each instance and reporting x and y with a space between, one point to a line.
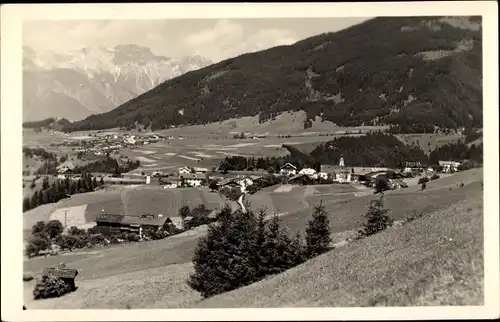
442 247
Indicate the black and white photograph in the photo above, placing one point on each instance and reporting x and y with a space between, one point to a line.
250 159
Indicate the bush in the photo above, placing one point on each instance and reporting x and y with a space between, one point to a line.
213 185
381 184
377 218
423 180
50 286
54 228
97 239
318 232
27 277
37 243
435 176
133 237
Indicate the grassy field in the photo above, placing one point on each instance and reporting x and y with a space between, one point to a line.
429 142
82 209
409 265
434 260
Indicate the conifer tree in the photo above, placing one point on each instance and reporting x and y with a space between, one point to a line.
377 218
318 232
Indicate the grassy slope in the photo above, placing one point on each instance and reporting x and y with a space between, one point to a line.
158 269
348 214
410 266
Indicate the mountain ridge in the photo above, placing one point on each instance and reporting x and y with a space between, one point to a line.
93 80
417 74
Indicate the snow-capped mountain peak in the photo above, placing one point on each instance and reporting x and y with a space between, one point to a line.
95 78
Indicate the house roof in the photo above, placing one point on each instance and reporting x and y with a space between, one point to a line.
126 219
60 272
200 169
64 170
66 164
193 176
177 221
448 162
288 165
227 181
299 176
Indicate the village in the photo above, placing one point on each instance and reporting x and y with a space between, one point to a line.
236 184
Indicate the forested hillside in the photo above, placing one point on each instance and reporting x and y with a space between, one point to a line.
414 73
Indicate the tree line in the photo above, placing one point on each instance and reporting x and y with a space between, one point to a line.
108 165
457 152
60 189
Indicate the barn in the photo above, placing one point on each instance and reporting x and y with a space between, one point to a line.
108 224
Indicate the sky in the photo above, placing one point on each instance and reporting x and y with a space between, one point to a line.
217 39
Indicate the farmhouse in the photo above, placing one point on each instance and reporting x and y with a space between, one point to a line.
449 166
200 170
301 179
172 182
66 274
192 179
323 175
114 224
184 170
288 169
176 222
229 182
64 173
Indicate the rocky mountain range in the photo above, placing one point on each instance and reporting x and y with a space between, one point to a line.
415 74
94 80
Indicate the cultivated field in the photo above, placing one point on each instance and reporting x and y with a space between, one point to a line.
82 209
418 256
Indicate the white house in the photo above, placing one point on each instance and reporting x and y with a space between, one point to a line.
129 139
184 170
288 169
244 182
193 179
449 165
323 175
343 177
64 172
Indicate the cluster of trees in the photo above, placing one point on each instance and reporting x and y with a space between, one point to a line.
197 216
376 149
60 189
38 124
41 236
472 135
39 152
108 165
243 248
270 164
458 151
